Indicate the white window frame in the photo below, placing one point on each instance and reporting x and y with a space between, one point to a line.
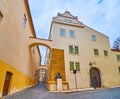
94 37
62 32
72 34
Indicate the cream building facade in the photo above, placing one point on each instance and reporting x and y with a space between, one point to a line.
85 51
19 60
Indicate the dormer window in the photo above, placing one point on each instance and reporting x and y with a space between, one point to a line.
68 20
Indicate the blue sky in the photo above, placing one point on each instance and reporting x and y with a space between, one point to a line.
101 15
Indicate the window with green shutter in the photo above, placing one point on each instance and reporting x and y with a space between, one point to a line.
71 66
119 69
96 52
71 49
105 53
74 65
118 57
77 66
76 50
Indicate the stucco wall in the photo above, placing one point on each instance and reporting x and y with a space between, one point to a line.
14 40
105 64
14 48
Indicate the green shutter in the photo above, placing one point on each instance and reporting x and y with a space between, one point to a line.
77 66
105 53
76 50
96 52
118 57
71 49
71 66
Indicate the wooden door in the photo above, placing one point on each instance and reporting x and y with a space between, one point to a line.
95 77
7 83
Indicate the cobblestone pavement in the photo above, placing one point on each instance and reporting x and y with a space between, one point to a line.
40 92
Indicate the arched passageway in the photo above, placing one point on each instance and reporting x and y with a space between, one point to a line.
44 46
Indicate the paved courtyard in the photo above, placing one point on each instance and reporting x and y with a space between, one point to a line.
40 92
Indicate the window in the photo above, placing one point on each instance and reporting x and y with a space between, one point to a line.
96 52
33 50
71 66
76 50
119 69
77 66
73 49
118 57
49 55
1 15
74 66
105 53
24 20
67 20
72 34
62 32
93 37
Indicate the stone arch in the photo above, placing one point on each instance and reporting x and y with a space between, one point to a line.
38 41
95 77
42 44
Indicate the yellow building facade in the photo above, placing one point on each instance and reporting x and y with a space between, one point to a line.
18 61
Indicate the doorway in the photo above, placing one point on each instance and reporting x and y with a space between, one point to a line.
7 83
42 75
95 79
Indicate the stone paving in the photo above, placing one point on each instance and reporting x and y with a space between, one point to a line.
40 92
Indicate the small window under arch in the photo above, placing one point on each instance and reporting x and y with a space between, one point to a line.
1 15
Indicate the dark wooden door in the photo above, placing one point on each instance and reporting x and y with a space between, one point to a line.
7 83
95 77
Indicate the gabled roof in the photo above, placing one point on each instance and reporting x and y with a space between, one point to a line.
68 15
67 19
